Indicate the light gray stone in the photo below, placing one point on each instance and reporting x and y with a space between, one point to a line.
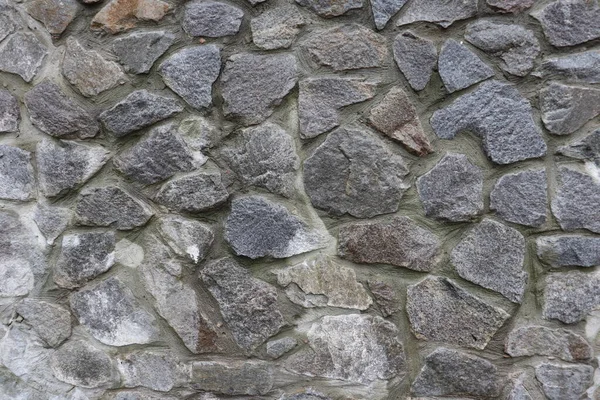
156 370
9 112
441 13
51 220
511 6
81 364
17 279
579 67
416 58
56 15
539 340
587 149
570 296
50 321
567 23
515 389
138 51
195 193
385 296
7 24
309 394
22 54
233 377
565 109
569 250
331 8
576 201
384 10
277 28
277 348
564 381
460 68
186 237
211 19
16 174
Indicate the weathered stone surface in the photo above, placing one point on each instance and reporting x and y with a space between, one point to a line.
17 279
51 221
56 15
50 321
122 15
276 28
516 46
9 112
511 6
277 348
16 174
542 341
440 310
399 241
139 50
324 282
7 24
156 370
264 156
386 297
384 10
348 46
355 172
150 395
233 377
498 113
191 72
567 23
416 58
57 115
110 313
64 165
570 296
186 237
193 193
320 99
521 197
309 394
331 8
254 84
81 364
567 108
515 388
211 19
564 381
569 250
452 373
111 206
460 68
88 71
441 13
576 202
357 348
579 67
248 305
587 149
22 54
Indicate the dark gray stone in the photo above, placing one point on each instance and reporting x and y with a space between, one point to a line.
277 348
416 58
233 377
460 68
139 50
587 149
211 19
276 28
567 23
541 341
51 221
22 54
384 10
81 364
579 67
510 6
56 15
156 370
9 112
186 237
16 174
386 297
331 8
577 201
570 296
193 193
569 250
50 321
565 109
561 382
442 13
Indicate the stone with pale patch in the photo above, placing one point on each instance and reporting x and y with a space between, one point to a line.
566 108
51 220
532 340
186 237
122 15
156 370
22 54
50 321
16 174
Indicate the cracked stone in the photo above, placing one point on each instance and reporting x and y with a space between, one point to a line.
7 25
277 348
233 377
564 381
149 368
576 201
565 109
539 340
81 364
384 10
567 23
56 15
16 174
386 297
515 389
277 28
331 8
579 67
587 149
460 68
193 193
569 250
211 19
22 54
139 51
416 58
441 13
50 321
9 112
51 221
570 296
122 15
186 237
510 6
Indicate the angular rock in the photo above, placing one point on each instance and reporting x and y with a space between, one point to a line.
277 348
17 279
440 310
441 13
348 46
384 10
386 297
211 19
564 381
355 172
276 28
516 46
88 71
252 85
569 250
51 221
56 15
50 321
452 373
577 200
148 368
9 112
56 114
510 6
110 313
570 296
498 113
7 24
22 54
248 305
416 58
194 193
460 68
139 50
191 72
186 237
81 364
515 389
542 341
111 206
521 197
122 15
587 149
233 377
567 23
357 348
579 67
16 174
331 8
320 100
565 109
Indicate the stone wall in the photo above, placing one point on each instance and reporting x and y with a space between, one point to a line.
310 200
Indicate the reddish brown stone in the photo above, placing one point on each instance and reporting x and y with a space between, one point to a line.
121 15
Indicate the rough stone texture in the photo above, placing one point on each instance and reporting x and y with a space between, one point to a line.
441 13
384 10
416 58
577 200
51 221
511 6
233 377
139 50
122 15
567 23
565 109
9 112
386 297
186 237
81 364
194 193
331 8
7 24
579 67
276 28
151 369
564 381
211 19
16 174
539 340
50 321
569 250
277 348
515 389
570 296
460 68
56 15
587 149
22 54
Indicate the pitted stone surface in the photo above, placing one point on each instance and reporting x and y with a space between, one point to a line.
277 28
570 296
386 297
195 193
564 381
81 364
441 13
460 68
579 67
186 237
565 109
416 58
50 321
16 174
384 10
9 112
539 340
567 23
22 54
139 50
569 250
331 8
123 15
576 201
211 19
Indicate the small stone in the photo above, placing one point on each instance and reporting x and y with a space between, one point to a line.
191 72
248 305
515 388
567 23
399 241
9 112
276 28
81 364
510 6
58 115
110 313
309 394
561 382
139 50
579 67
194 193
211 19
277 348
356 348
565 109
516 46
16 174
232 377
521 197
52 221
88 71
320 100
587 149
542 341
441 13
577 200
65 165
128 253
22 54
201 133
569 250
440 310
252 85
122 15
460 68
257 227
348 46
186 237
416 58
7 24
384 10
386 297
497 113
355 172
50 321
152 369
570 296
56 15
111 206
452 373
16 279
331 8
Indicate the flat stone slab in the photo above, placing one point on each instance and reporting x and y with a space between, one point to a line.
576 201
16 174
233 377
22 54
570 296
527 341
569 250
201 191
416 58
511 6
570 23
459 67
277 28
441 13
578 67
156 370
138 51
211 19
565 108
10 115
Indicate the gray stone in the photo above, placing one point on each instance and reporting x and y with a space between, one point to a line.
498 113
191 72
121 15
16 174
9 112
7 24
152 369
320 99
398 241
561 382
233 377
331 8
50 321
384 10
186 237
110 313
515 389
355 172
567 23
276 28
248 305
440 310
577 200
356 348
81 364
579 67
416 58
65 165
569 250
139 50
277 348
257 227
587 149
211 19
510 6
51 221
17 279
452 373
565 109
521 197
148 395
570 296
348 46
542 341
252 84
442 13
309 394
22 54
138 110
193 193
516 46
460 68
385 297
56 15
111 206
